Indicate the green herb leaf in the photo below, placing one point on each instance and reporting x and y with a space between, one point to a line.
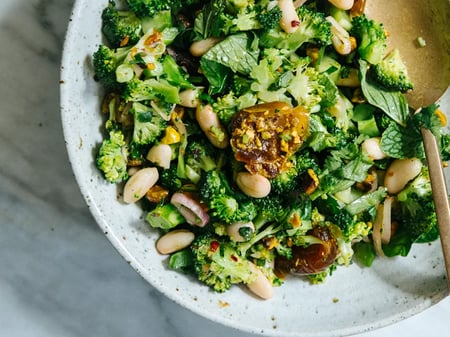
393 103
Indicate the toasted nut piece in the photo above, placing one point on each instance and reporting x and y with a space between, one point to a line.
136 187
400 172
253 185
261 286
174 241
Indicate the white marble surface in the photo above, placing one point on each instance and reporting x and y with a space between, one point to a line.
59 276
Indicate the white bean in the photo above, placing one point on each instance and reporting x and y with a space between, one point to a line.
289 19
209 123
189 97
161 155
372 148
233 230
253 185
261 286
174 241
136 187
199 48
342 4
400 172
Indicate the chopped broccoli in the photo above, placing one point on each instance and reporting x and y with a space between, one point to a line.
199 157
165 216
151 89
112 157
418 214
293 178
120 27
391 72
224 203
148 124
269 18
150 8
218 263
313 28
106 61
169 179
371 38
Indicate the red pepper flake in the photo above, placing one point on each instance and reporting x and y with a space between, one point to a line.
214 245
234 258
295 23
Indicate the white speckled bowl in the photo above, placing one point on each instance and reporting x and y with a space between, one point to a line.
353 300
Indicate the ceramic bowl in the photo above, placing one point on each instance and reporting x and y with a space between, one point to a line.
353 300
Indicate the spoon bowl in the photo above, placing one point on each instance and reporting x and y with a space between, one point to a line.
408 21
420 31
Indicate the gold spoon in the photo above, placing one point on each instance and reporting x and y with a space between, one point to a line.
407 21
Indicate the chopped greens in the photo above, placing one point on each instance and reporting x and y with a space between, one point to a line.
270 143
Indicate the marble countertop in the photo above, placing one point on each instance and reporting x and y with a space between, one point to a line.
59 275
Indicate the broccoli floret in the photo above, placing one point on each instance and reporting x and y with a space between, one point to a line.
120 27
418 214
151 89
225 203
150 8
105 62
292 179
392 73
218 263
199 157
269 18
371 38
169 179
312 89
148 124
165 216
112 157
313 28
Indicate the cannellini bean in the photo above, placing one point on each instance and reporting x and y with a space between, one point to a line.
199 48
136 187
261 286
161 155
400 172
289 19
209 123
253 185
233 230
342 4
174 241
372 148
189 97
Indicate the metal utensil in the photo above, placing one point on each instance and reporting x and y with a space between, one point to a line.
409 22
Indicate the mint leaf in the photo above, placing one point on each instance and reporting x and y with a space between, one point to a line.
393 103
402 142
237 52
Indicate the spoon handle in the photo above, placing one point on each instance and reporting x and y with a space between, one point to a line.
440 194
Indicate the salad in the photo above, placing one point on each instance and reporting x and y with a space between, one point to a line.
264 139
